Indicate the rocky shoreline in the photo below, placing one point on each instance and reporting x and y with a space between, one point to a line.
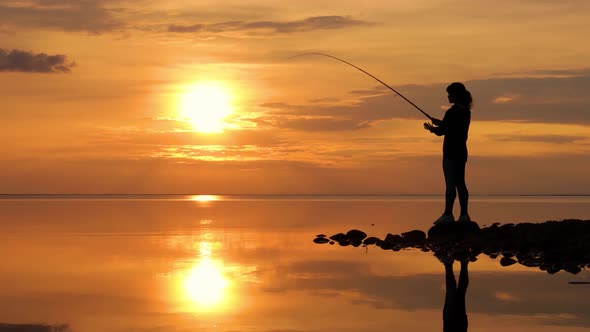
551 246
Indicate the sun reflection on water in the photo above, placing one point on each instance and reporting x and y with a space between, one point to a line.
204 286
204 198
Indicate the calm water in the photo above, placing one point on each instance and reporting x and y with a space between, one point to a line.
248 263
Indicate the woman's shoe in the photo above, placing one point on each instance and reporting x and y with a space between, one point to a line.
445 218
464 218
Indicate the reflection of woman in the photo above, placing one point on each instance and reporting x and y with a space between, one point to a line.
454 313
454 126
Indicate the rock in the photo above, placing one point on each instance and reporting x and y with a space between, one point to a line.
531 262
370 240
460 256
550 246
387 245
338 237
321 235
355 235
506 261
506 227
468 228
508 254
391 238
445 232
439 230
321 240
414 236
572 268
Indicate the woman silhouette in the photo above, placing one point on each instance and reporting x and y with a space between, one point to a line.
455 127
454 311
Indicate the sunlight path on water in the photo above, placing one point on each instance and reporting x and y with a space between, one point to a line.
203 286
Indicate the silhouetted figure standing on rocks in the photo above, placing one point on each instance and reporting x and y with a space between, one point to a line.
455 127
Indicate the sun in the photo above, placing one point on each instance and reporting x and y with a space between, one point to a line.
205 106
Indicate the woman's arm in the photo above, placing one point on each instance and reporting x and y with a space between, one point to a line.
439 130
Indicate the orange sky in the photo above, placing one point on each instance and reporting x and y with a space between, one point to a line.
101 111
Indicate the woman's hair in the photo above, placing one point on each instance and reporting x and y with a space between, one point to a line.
461 94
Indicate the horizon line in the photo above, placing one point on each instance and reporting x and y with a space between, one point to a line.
280 194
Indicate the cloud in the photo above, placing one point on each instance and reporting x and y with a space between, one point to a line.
321 124
23 61
185 28
549 73
530 99
326 117
558 139
502 100
313 118
324 100
156 137
68 15
32 328
377 90
273 27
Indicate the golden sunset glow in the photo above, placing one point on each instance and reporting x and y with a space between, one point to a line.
205 105
218 103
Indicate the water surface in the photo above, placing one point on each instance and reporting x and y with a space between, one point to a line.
248 263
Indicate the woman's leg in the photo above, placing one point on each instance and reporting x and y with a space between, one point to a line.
451 292
459 172
450 278
450 193
463 279
461 291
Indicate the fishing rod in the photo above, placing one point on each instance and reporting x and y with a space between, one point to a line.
378 80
